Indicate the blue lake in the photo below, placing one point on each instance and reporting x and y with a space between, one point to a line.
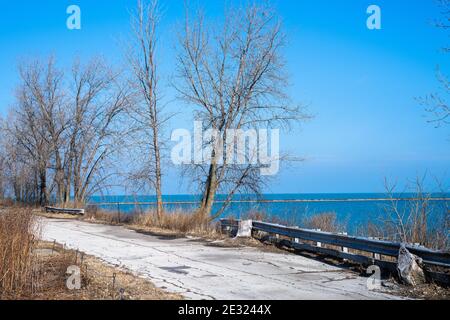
353 210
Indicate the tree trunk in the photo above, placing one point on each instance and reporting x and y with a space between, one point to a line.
159 204
210 192
43 188
68 181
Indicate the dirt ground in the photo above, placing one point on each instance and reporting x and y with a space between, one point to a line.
425 292
99 281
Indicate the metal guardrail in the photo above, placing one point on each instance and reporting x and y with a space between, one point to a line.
376 247
64 211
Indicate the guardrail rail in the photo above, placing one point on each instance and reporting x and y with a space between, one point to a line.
79 212
437 263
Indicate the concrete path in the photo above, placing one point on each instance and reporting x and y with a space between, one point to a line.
200 270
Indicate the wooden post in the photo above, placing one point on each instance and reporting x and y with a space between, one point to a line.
113 286
114 281
122 294
118 211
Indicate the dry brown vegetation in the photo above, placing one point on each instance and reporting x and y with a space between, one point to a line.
327 222
109 217
98 280
324 222
416 221
6 203
32 269
176 222
264 217
17 237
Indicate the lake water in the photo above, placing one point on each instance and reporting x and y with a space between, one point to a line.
353 210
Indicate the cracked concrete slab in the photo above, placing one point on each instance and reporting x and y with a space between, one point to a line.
199 271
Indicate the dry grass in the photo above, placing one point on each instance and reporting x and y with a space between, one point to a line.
325 222
99 281
178 222
18 230
412 226
6 203
173 223
417 221
94 214
263 217
32 269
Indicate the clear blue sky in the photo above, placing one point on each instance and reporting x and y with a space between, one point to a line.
360 84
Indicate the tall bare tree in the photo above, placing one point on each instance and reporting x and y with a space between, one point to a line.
44 84
97 101
436 104
233 74
2 167
23 173
146 112
36 95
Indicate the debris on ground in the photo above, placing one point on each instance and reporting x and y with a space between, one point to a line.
409 268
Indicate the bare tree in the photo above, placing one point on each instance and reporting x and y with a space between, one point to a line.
444 21
2 168
35 95
417 219
44 84
3 160
146 113
436 104
233 74
98 100
64 132
22 174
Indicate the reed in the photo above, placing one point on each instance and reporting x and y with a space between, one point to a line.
325 222
178 221
18 231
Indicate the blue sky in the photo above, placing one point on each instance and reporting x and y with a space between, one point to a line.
359 84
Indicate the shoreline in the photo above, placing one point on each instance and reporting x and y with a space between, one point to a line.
267 201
